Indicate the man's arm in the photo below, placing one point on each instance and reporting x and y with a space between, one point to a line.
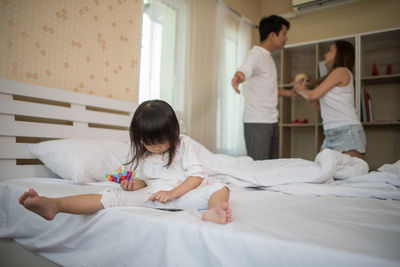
287 93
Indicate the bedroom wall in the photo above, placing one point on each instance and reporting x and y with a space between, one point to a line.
357 17
93 46
249 9
87 46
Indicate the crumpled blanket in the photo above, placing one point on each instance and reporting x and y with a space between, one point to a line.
331 173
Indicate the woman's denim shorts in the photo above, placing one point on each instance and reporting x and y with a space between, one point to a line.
345 138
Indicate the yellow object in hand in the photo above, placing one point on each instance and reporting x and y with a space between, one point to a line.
300 76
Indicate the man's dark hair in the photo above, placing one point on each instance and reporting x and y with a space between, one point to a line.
270 24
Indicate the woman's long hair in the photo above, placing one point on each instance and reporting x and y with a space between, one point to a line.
153 122
344 58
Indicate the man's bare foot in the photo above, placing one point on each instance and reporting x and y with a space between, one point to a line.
219 214
43 206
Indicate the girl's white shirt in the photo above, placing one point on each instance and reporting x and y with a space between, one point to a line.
153 171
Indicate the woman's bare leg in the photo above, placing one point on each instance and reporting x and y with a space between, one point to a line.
218 208
49 207
354 153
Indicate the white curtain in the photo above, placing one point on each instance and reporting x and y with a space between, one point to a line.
233 42
218 40
201 76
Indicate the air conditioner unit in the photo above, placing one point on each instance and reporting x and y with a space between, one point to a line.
302 6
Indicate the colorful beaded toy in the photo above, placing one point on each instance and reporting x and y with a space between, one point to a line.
120 175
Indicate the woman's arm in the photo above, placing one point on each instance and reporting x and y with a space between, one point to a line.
339 76
315 104
189 184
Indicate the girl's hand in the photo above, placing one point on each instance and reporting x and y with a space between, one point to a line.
162 196
132 185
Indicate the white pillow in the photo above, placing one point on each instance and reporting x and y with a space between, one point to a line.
81 160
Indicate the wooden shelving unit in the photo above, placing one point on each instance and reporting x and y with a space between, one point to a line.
383 132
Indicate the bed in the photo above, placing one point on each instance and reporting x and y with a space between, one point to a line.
286 212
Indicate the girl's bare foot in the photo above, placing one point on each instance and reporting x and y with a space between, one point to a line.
219 214
43 206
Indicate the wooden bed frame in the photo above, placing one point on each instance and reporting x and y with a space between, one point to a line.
31 114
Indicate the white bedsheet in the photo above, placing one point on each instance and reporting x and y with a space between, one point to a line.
304 223
381 185
268 229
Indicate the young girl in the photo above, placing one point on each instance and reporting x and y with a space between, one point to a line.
334 97
170 175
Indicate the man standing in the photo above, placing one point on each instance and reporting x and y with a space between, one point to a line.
261 130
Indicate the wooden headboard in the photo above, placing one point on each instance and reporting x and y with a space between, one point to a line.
31 114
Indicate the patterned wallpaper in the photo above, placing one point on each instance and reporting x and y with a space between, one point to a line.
87 46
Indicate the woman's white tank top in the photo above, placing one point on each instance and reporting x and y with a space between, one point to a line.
337 106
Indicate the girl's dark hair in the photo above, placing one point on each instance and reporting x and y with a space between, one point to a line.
270 24
344 58
153 122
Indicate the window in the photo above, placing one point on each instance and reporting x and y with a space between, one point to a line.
162 52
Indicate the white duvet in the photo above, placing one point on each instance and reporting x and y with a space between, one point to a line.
332 173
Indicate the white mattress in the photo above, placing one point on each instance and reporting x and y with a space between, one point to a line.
268 228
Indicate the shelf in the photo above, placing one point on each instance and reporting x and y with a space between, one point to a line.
390 78
381 123
287 85
304 125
